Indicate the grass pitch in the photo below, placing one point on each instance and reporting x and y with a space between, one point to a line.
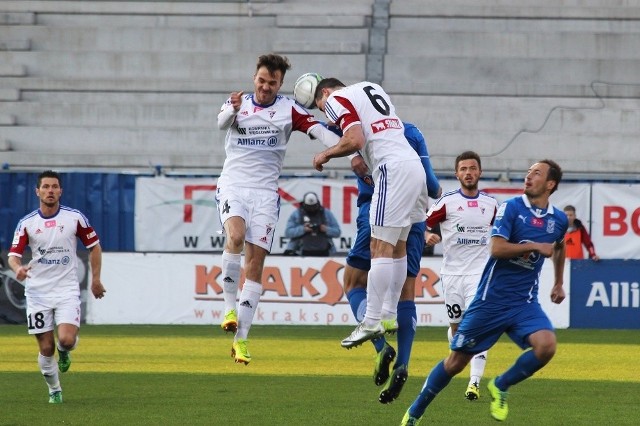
179 375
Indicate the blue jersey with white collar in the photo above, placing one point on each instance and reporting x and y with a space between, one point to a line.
515 281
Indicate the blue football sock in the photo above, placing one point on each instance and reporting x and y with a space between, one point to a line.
406 330
437 380
356 298
358 302
525 366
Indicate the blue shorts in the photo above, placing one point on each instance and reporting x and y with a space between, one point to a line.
484 323
360 254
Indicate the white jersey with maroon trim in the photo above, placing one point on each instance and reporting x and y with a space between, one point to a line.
53 242
465 224
256 142
367 104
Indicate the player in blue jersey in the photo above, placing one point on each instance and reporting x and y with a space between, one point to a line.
527 230
359 263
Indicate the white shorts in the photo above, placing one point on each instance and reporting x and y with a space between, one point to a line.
260 209
400 196
390 234
44 313
459 291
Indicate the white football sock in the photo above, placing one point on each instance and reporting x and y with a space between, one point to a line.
380 276
230 279
249 299
49 370
478 362
390 305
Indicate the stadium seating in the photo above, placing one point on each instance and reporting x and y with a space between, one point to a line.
135 85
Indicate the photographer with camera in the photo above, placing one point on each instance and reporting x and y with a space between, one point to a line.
311 229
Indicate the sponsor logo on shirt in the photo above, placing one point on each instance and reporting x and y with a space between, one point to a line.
50 223
387 123
472 203
537 222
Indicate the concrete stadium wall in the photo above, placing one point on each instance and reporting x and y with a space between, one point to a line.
132 85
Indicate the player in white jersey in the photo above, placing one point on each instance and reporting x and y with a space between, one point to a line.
52 288
369 124
465 217
258 129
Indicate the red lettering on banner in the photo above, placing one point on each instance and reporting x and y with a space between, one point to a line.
329 275
326 197
614 221
348 193
425 281
188 195
205 279
288 197
300 281
272 281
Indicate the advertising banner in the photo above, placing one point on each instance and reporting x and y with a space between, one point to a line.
605 294
157 288
180 214
616 220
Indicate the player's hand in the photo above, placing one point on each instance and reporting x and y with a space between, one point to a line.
545 249
431 239
23 272
97 289
236 100
359 166
557 294
318 161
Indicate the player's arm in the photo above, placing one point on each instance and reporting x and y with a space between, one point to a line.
558 258
229 109
95 260
21 271
351 141
501 248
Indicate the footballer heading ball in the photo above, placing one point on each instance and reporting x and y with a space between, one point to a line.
305 88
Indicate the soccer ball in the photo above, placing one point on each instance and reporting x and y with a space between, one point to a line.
305 89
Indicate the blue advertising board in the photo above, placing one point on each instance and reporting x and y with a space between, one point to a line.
605 294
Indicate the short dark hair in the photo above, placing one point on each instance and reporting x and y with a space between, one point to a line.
468 155
570 208
274 63
555 172
327 83
49 174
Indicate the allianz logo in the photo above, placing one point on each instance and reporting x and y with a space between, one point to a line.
614 295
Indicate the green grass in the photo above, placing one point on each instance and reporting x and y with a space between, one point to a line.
179 375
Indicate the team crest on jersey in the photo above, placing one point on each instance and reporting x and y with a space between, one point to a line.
551 226
387 123
271 114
